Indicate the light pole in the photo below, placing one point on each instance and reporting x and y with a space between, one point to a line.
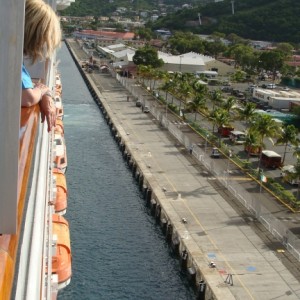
170 80
228 163
206 138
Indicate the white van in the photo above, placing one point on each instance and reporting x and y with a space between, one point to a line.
207 74
237 137
271 86
285 171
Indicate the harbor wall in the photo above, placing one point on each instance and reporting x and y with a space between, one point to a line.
192 260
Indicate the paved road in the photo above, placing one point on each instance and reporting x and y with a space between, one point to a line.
290 159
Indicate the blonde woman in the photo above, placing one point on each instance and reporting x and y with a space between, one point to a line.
42 35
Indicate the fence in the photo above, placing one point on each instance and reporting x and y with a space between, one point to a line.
275 226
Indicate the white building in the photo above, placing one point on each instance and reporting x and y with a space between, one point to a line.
278 99
187 63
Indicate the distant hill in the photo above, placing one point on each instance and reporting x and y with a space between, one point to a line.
270 20
106 7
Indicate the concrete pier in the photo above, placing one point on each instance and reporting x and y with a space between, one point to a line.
230 259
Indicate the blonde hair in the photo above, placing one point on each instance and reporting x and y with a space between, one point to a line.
42 32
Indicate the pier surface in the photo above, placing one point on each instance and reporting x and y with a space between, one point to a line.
211 226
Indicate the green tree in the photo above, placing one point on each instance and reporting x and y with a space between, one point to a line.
198 103
272 61
288 135
182 42
215 48
147 56
220 117
266 127
157 75
167 85
144 33
199 93
285 48
242 54
252 141
247 112
216 98
229 104
183 92
144 72
295 175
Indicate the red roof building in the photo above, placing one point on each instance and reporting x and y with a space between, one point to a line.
113 35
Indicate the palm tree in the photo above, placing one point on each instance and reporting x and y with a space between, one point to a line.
167 86
183 89
229 104
251 142
295 175
265 126
247 112
157 75
289 135
216 98
197 104
199 92
144 72
220 117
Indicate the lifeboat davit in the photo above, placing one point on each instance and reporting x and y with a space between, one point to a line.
60 160
62 259
61 200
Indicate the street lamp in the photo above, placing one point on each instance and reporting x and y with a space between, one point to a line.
206 143
230 153
170 80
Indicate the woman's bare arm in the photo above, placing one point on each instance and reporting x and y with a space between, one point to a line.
41 95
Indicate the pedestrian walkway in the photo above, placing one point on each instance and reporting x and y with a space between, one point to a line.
229 247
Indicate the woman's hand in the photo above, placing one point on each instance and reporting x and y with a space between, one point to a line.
48 111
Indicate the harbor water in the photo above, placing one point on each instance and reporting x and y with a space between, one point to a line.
119 252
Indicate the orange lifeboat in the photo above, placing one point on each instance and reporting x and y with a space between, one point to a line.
59 107
60 160
58 86
59 128
62 260
61 200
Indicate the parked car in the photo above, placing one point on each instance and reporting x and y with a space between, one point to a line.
271 86
237 137
227 89
146 109
215 153
138 103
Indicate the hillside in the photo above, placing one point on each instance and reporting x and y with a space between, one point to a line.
271 20
106 7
